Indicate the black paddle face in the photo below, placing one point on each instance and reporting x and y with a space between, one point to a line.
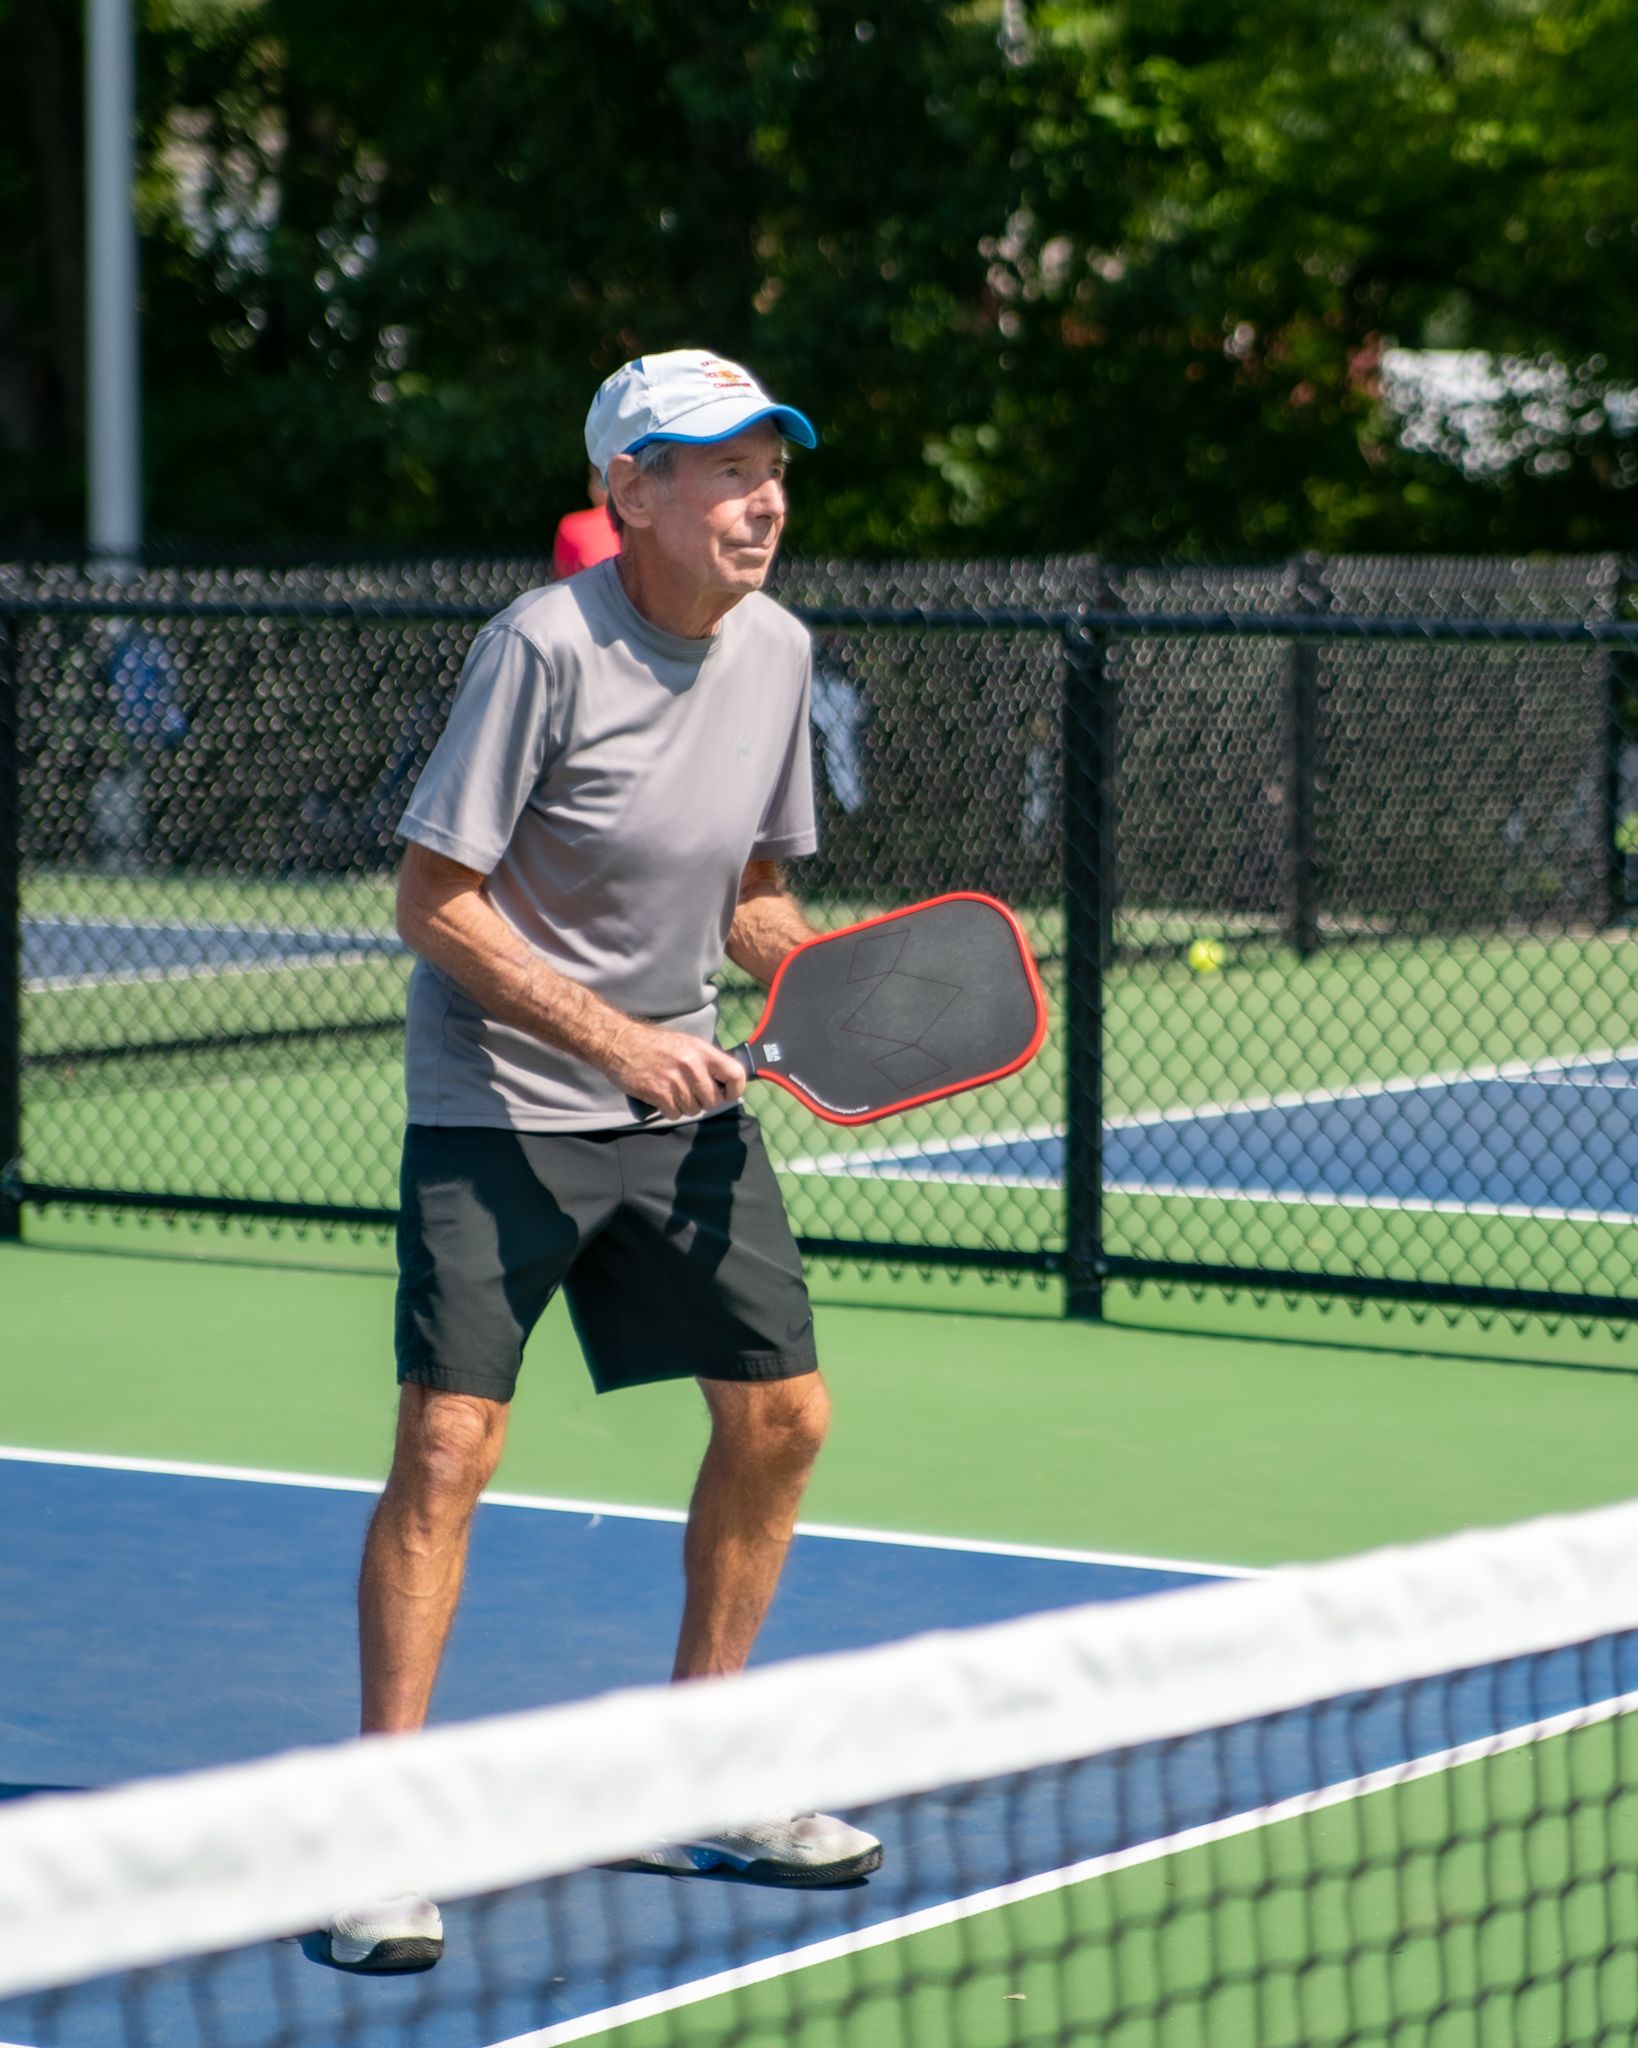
902 1010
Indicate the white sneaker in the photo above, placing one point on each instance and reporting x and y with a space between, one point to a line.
402 1933
806 1849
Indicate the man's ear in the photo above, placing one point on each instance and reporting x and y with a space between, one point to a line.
631 489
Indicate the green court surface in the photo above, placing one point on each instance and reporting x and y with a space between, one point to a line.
1479 1906
974 1411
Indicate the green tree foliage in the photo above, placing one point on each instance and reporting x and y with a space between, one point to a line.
1230 213
1053 276
423 235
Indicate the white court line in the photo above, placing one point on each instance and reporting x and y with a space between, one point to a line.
1421 1205
724 1982
1364 1091
346 947
193 924
1555 1064
902 1163
127 977
1290 1198
1589 1081
175 1468
833 1163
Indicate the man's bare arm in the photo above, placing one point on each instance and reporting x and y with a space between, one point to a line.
445 917
768 922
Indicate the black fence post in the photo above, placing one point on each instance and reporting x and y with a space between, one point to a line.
1302 896
11 936
1618 671
1089 766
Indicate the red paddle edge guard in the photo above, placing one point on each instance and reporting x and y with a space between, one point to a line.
875 1116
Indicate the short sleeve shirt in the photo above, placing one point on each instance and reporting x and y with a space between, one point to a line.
612 781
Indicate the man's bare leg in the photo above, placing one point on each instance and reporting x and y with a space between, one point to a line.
446 1451
764 1439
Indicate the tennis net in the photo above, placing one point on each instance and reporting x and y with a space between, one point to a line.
1393 1799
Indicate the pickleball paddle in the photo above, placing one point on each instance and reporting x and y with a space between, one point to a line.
899 1010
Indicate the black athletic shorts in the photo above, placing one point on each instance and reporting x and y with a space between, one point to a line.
671 1244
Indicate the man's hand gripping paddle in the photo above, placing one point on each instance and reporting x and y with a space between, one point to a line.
900 1010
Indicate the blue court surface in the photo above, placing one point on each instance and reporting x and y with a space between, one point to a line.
69 952
156 1620
1548 1138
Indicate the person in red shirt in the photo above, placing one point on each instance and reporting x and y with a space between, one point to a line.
585 538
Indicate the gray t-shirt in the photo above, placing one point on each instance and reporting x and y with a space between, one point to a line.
612 781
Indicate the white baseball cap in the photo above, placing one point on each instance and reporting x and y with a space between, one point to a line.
686 394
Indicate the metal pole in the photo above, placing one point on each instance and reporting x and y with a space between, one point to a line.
11 938
1089 758
113 423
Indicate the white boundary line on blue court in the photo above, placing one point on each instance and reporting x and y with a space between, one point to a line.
1418 1205
132 977
724 1982
351 948
254 927
169 1468
900 1162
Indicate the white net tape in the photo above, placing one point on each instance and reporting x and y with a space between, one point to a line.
96 1882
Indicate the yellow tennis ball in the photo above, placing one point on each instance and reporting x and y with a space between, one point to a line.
1206 955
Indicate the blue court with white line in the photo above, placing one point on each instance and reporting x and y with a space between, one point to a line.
1544 1138
62 953
162 1617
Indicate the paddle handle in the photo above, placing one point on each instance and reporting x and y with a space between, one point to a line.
645 1112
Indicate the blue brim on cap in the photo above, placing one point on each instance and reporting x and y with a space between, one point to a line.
794 425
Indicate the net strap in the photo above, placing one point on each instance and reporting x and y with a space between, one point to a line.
173 1866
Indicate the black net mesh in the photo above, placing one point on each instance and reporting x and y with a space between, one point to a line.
1327 867
1446 1860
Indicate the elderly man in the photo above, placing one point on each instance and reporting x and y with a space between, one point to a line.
625 766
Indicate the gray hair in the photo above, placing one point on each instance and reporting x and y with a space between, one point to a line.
658 459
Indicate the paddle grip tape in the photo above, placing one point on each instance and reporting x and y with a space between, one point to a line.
645 1112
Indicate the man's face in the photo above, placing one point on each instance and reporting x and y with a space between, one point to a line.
719 514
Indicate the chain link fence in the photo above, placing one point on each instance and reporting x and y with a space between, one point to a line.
1329 867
